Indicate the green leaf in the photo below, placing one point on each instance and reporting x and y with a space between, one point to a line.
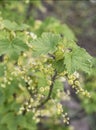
46 43
59 65
26 121
78 59
12 26
69 44
10 120
19 45
22 27
12 48
4 46
31 124
67 32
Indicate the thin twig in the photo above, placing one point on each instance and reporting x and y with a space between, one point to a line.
50 91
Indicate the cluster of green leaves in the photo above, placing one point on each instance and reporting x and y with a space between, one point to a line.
27 62
12 46
69 54
27 71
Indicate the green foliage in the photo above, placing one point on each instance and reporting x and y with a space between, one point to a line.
73 59
12 48
81 62
13 122
31 68
46 43
54 25
13 26
32 76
